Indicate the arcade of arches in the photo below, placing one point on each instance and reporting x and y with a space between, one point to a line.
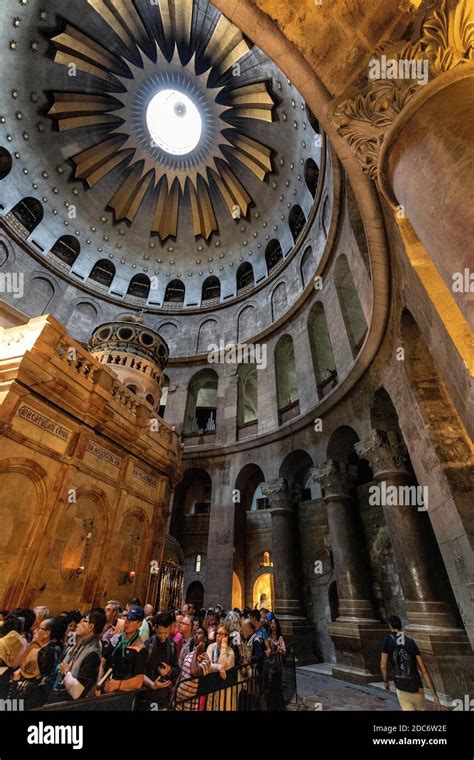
243 374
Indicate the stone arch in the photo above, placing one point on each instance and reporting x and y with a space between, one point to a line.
195 594
294 469
325 215
139 286
307 265
40 295
175 292
167 330
207 335
67 248
82 320
273 254
341 444
296 221
324 364
246 322
211 289
279 300
103 272
349 301
201 403
192 495
247 397
6 163
21 528
286 379
245 277
29 212
311 176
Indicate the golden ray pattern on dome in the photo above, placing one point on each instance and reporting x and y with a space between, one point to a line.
115 114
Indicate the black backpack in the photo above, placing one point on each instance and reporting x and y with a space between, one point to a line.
404 668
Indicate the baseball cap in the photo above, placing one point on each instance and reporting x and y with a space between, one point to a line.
136 613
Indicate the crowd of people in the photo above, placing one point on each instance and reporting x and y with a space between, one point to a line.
48 659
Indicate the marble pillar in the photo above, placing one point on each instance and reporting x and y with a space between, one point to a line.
431 622
356 633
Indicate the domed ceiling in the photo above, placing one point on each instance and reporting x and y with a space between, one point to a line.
152 132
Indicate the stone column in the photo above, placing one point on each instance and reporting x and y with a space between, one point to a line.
408 132
220 543
431 621
356 633
287 575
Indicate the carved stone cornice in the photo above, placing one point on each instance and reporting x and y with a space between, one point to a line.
385 452
364 115
336 479
277 493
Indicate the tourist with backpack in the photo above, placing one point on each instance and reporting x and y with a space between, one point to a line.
406 663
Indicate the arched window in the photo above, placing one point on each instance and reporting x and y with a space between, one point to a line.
29 212
201 405
67 248
164 396
313 120
175 292
5 163
354 319
197 564
103 272
273 254
307 265
245 276
139 286
150 399
211 289
286 381
246 394
133 389
266 561
311 176
323 358
297 221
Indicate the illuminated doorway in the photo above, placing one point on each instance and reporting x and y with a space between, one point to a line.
236 591
263 593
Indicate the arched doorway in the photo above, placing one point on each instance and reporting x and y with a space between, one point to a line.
237 600
195 594
170 583
263 592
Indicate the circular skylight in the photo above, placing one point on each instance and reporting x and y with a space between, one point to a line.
174 122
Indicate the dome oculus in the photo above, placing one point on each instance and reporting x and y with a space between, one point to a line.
174 122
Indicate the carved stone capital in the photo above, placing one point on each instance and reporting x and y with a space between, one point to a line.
364 115
277 493
385 452
335 478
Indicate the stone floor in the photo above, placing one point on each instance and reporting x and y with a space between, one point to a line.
318 691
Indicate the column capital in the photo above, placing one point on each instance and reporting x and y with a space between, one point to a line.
335 478
386 453
364 115
277 493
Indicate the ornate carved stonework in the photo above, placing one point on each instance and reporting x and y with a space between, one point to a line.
385 452
364 115
277 493
335 478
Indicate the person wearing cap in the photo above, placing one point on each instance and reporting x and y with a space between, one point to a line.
127 660
10 647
